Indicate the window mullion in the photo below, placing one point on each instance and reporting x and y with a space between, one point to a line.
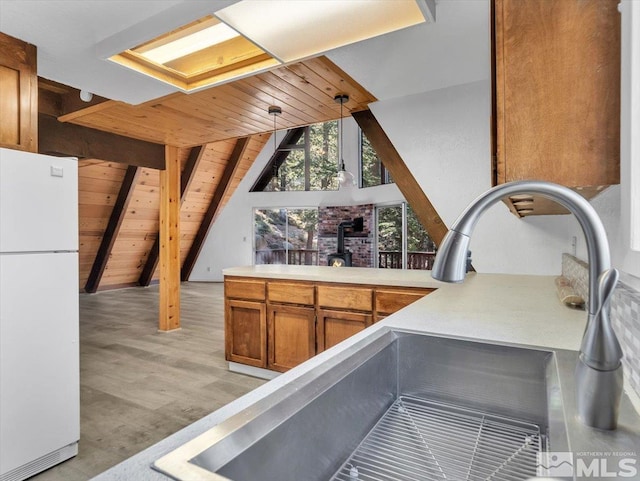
307 159
404 235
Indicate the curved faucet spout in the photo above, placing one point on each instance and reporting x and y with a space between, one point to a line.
599 373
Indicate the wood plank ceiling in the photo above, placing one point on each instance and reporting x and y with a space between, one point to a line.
208 126
304 91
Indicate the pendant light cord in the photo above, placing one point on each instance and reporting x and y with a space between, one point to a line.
341 136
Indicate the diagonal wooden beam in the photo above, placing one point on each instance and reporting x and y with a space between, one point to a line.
402 176
290 139
188 173
58 138
218 196
113 227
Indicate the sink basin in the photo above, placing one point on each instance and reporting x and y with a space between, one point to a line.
394 405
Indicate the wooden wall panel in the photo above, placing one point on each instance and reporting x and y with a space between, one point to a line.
98 187
137 232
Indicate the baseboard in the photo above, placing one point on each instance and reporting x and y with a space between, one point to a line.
252 371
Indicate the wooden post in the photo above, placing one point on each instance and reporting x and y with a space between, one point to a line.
170 241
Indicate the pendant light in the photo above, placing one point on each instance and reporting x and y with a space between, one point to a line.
345 178
275 180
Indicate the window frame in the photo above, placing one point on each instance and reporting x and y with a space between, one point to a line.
290 143
286 231
385 176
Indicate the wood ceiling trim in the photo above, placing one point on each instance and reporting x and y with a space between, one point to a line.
218 197
404 179
81 112
113 228
186 178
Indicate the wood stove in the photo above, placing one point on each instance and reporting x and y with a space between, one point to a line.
342 258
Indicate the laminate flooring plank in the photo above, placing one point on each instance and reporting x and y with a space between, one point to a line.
138 386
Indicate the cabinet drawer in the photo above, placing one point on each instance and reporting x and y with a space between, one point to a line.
356 298
245 289
291 293
391 300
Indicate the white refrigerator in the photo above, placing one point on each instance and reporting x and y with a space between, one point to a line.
39 328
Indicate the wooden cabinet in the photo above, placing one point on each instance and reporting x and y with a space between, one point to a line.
390 300
246 332
291 321
345 297
557 96
291 337
18 94
246 322
336 326
278 324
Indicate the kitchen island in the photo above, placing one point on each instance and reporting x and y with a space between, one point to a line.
278 316
521 310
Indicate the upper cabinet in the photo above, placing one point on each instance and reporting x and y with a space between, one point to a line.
18 94
557 96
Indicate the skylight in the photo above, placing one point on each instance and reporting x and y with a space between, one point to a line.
251 36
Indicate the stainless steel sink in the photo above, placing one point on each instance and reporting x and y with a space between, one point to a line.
397 405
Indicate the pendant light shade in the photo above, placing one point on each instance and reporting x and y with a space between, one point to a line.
345 178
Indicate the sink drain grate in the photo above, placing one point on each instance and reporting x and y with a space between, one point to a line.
424 440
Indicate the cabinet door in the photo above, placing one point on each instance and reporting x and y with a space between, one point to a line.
336 326
291 336
557 70
18 94
246 332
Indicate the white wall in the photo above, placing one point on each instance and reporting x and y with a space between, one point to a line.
230 240
443 136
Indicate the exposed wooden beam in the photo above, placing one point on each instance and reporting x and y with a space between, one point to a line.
212 210
291 138
190 168
169 318
58 138
404 179
62 100
113 227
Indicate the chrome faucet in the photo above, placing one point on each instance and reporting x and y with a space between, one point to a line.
599 369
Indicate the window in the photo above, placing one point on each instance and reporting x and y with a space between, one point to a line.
372 171
402 242
286 236
306 159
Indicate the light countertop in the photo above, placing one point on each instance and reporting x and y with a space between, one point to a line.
493 307
349 275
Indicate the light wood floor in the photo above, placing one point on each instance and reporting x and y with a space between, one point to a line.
137 385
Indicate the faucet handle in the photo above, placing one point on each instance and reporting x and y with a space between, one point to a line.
607 283
600 347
